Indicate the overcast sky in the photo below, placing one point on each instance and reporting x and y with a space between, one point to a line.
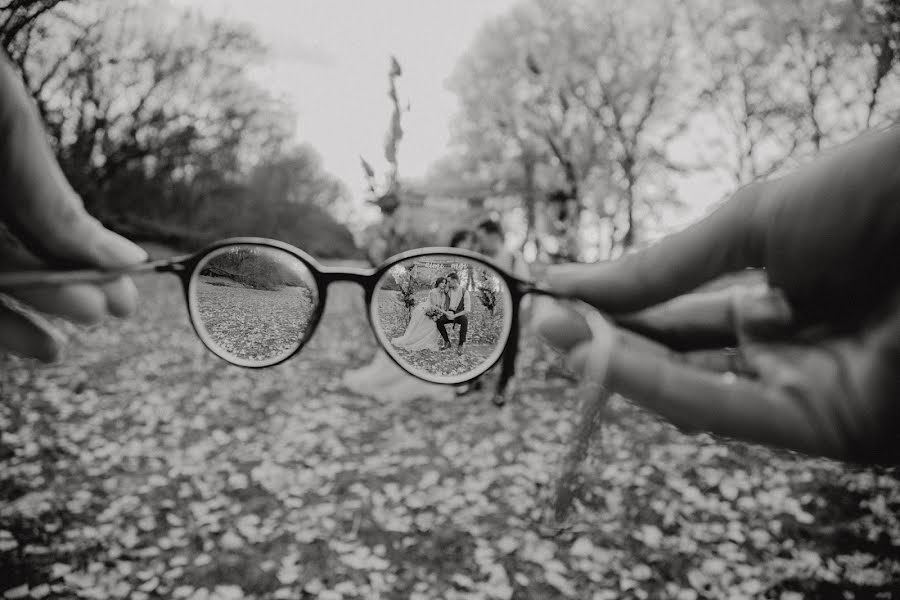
329 59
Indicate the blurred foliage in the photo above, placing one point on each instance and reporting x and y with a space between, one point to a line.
591 111
158 127
486 289
258 268
406 296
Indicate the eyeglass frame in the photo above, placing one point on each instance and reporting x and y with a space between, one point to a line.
184 266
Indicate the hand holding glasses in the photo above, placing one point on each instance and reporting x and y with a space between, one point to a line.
444 315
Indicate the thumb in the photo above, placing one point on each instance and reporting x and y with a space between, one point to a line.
580 332
36 201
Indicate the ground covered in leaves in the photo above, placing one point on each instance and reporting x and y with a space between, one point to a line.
482 336
144 467
257 325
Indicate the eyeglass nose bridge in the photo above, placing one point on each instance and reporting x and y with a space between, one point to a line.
363 277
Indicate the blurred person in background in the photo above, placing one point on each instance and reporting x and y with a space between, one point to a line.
492 243
490 240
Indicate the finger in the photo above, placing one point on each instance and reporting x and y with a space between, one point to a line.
714 319
727 360
565 329
690 322
36 201
121 297
82 303
727 240
28 334
557 324
722 404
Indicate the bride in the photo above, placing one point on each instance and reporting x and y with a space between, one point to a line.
422 333
383 380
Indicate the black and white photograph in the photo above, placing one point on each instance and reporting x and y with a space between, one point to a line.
431 300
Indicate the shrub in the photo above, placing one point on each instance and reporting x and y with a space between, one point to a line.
486 291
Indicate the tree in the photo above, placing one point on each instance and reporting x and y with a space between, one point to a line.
565 98
625 76
783 81
156 124
18 20
882 34
518 128
384 237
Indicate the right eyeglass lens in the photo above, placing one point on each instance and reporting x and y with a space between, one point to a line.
444 318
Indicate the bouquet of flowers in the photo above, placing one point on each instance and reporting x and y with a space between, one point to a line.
407 294
433 313
487 289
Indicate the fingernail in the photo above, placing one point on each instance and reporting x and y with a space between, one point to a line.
542 310
591 359
121 297
562 329
119 250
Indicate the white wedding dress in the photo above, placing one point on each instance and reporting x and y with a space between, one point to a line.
383 380
422 332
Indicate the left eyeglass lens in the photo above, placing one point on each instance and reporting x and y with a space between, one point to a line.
252 305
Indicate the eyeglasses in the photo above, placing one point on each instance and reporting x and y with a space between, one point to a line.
444 315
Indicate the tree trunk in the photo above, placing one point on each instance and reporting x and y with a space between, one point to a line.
628 167
530 206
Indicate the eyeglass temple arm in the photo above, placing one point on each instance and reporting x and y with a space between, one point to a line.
32 279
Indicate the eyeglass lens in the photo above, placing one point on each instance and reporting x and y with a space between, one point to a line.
444 318
252 305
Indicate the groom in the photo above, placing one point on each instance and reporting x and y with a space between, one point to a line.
460 306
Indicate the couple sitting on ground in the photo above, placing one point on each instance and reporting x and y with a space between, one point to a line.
448 303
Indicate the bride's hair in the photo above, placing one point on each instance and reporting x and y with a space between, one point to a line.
461 235
439 281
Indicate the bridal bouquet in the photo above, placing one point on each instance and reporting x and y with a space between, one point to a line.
433 313
407 292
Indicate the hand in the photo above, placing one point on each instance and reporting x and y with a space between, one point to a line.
817 348
449 314
43 224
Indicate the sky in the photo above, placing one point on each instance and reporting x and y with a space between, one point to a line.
329 59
